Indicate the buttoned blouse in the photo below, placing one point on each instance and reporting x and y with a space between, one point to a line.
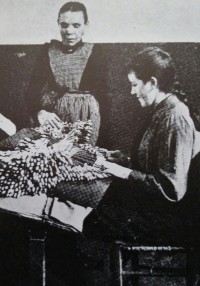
166 150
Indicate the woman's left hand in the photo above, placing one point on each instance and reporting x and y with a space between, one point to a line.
114 169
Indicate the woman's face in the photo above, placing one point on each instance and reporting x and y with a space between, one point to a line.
143 91
72 27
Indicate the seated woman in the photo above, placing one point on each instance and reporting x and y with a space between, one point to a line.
7 127
149 201
63 86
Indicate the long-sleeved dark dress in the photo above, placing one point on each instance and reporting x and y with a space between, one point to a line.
65 82
152 205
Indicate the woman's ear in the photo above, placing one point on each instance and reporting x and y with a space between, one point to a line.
154 81
86 30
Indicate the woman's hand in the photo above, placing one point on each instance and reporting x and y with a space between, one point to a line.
117 157
45 117
114 169
117 170
7 125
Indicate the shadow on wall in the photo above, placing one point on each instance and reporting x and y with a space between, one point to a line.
122 115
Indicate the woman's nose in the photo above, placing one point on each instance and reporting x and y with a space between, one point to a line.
69 29
133 91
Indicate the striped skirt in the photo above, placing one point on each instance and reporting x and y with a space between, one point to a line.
77 106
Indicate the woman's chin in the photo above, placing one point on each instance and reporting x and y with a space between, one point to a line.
70 43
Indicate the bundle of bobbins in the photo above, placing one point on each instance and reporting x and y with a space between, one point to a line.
35 166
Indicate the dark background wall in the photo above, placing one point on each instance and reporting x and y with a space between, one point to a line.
124 116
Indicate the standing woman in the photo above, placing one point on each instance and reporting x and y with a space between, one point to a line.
64 84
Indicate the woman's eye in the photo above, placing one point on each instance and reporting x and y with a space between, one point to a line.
64 25
76 25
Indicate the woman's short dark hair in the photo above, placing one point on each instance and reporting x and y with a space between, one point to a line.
74 7
154 62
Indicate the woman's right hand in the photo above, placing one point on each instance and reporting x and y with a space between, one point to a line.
45 117
117 157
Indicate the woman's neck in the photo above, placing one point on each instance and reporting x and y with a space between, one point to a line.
160 97
72 49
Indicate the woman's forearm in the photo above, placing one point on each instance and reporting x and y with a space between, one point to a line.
7 125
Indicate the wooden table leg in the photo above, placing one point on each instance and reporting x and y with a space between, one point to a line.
37 258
